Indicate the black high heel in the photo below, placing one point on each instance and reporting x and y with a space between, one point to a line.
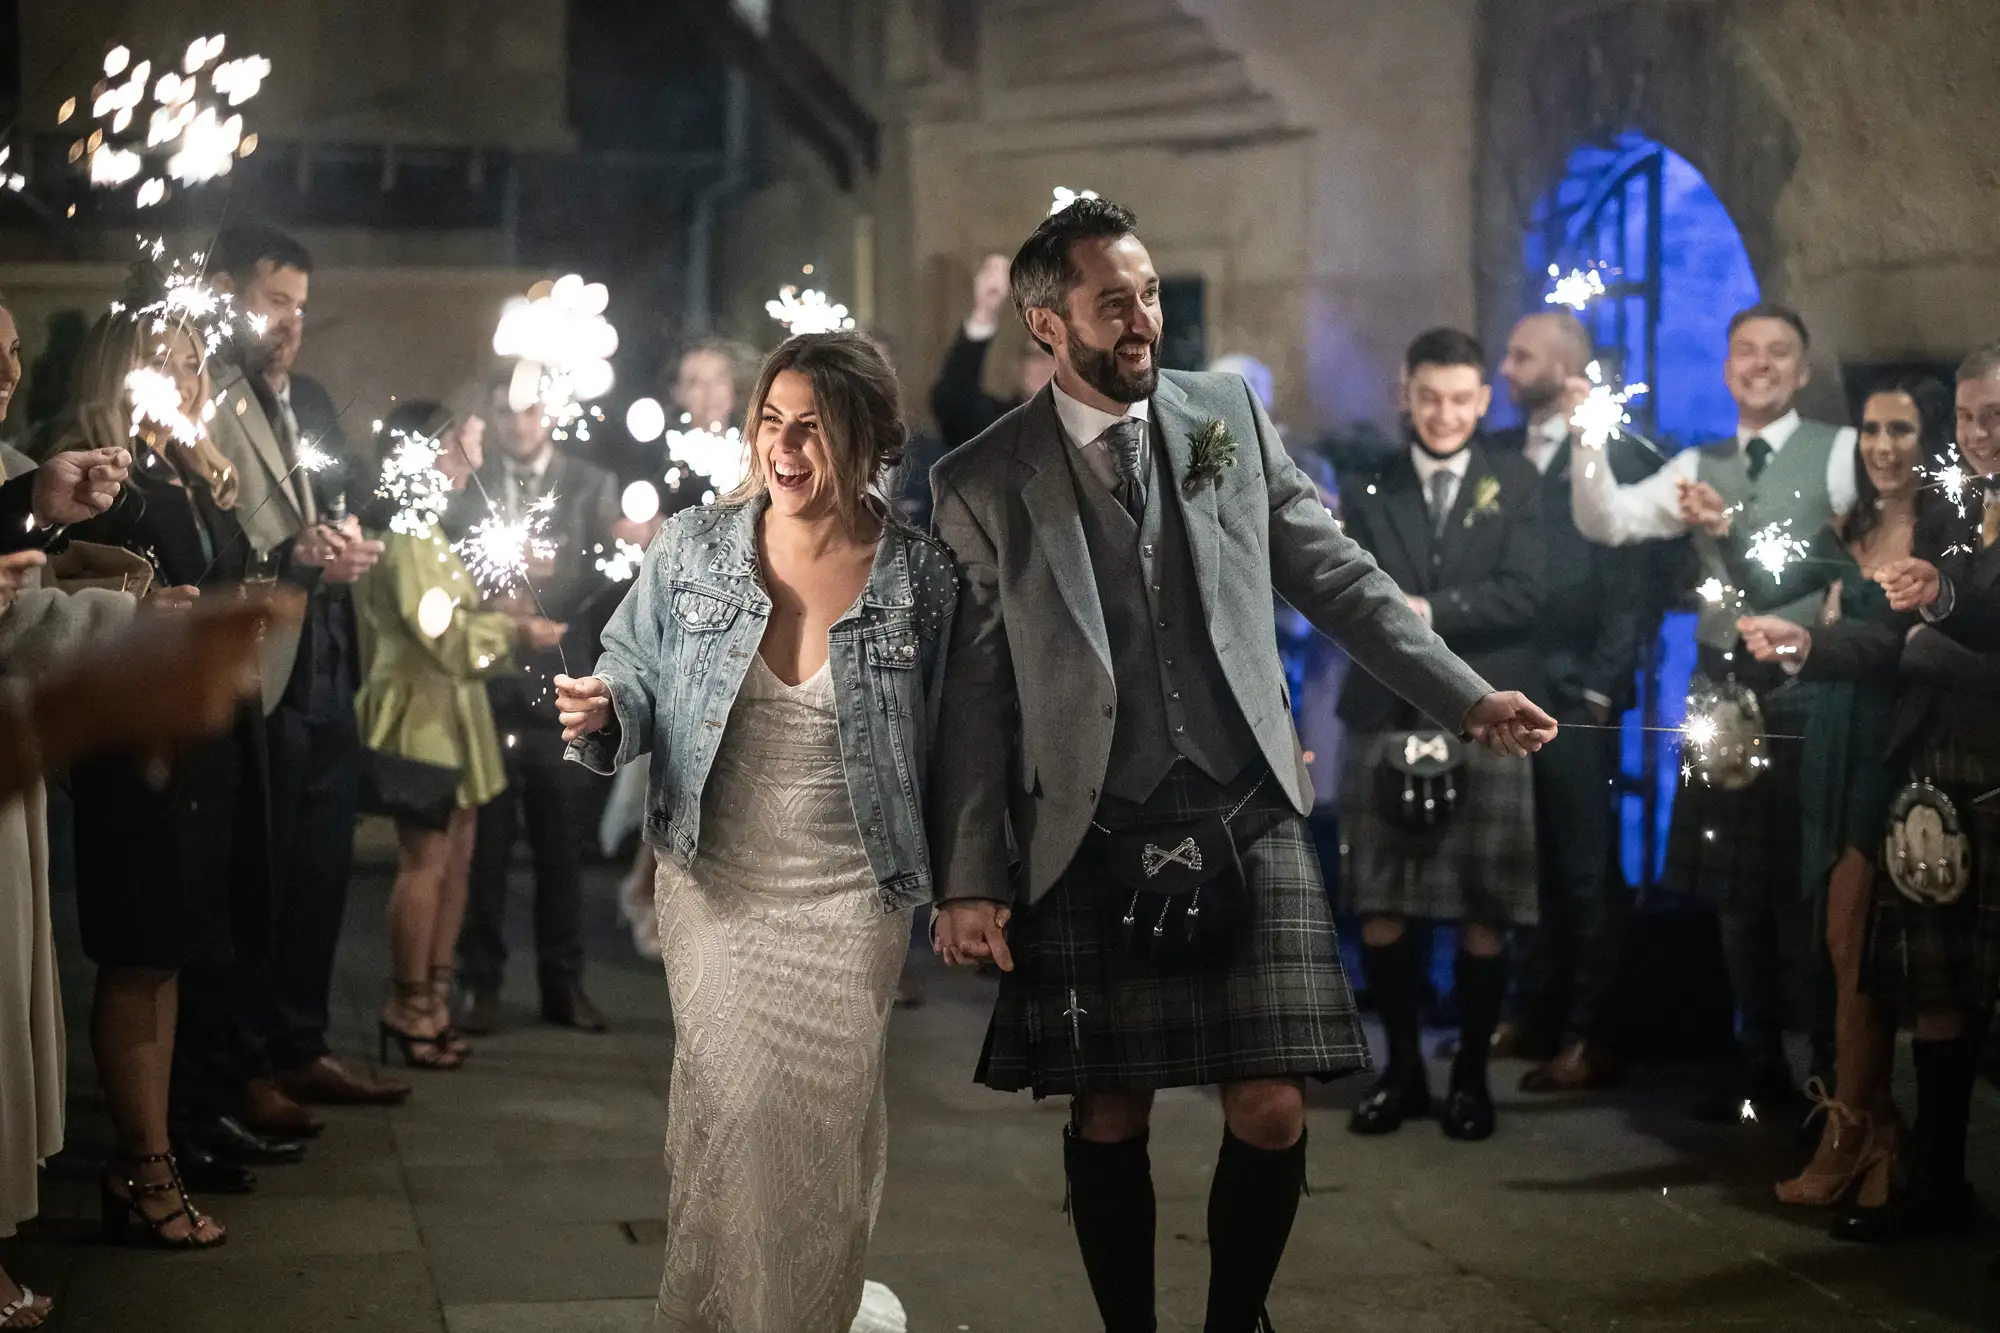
115 1214
419 1051
451 1039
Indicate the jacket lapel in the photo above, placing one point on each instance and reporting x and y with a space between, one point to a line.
242 403
1050 498
1175 419
1457 539
1409 516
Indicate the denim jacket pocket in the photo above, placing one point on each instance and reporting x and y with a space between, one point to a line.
700 611
896 650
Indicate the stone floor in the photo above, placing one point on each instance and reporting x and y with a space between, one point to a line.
524 1193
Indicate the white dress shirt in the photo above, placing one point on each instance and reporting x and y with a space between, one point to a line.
1545 442
1649 510
1428 467
1084 424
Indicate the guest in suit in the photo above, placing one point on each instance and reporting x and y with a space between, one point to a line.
1113 683
1739 850
1933 958
1457 524
309 682
1593 620
544 795
960 400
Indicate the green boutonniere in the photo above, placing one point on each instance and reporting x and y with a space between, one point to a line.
1485 500
1214 449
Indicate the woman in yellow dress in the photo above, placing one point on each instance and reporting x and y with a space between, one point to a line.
433 755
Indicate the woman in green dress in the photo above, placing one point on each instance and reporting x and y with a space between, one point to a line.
1845 778
427 649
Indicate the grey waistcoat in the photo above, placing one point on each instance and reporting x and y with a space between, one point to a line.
1792 488
1172 696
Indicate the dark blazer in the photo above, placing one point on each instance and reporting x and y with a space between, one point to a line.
1595 599
576 593
961 405
1483 578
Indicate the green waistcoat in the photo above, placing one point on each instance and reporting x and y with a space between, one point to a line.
1793 488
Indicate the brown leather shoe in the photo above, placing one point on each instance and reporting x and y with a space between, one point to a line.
1515 1040
1583 1066
268 1110
566 1006
330 1081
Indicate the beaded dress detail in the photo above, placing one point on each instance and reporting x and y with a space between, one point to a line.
782 967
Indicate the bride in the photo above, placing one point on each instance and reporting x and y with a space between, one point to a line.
780 658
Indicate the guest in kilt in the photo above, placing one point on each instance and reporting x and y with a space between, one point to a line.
1933 951
1458 524
1739 850
1114 700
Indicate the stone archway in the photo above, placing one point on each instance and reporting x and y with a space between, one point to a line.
1552 80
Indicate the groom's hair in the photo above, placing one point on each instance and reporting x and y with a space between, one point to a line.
1445 347
1043 273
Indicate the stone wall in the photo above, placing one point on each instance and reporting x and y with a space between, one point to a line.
1856 144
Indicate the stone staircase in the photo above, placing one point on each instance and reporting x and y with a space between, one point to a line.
1124 73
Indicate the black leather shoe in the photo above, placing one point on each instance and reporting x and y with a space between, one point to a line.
480 1014
568 1007
231 1139
1467 1115
1395 1098
205 1172
1914 1214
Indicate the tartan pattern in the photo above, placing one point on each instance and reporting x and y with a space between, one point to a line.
1735 849
1480 866
1079 1013
1925 957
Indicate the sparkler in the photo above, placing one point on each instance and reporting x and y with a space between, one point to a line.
563 345
718 455
412 483
1577 289
156 398
808 311
623 562
1601 417
498 552
1774 548
1063 197
190 136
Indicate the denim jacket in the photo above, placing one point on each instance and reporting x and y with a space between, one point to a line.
679 645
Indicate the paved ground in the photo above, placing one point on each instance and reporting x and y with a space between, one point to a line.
524 1192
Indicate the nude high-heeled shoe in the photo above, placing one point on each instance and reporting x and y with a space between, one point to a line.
1842 1158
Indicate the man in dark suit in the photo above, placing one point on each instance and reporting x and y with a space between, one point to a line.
543 793
1457 524
1593 620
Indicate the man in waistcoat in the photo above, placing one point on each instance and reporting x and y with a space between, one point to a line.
1115 717
1588 634
1740 849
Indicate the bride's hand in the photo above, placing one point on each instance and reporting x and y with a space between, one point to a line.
972 931
583 705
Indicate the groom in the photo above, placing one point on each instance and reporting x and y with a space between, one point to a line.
1114 670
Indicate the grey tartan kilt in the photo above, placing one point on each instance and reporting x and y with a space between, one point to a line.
1078 1013
1926 957
1480 866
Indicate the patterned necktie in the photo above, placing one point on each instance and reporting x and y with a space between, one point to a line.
1441 486
1125 441
1760 452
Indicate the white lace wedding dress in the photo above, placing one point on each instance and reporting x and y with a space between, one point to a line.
782 966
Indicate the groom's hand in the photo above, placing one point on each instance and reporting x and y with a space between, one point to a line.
1507 722
971 931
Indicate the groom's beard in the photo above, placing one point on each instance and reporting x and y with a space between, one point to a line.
1099 370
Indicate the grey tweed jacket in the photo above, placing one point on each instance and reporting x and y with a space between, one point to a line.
1024 735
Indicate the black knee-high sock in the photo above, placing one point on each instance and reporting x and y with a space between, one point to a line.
1946 1074
1111 1207
1396 981
1482 989
1251 1205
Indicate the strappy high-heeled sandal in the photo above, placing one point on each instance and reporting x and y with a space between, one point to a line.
1854 1153
39 1308
116 1214
450 1037
419 1051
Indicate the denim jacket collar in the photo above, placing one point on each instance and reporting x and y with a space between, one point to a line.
888 587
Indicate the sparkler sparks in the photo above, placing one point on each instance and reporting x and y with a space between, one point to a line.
1700 730
1774 548
1063 197
156 398
1577 289
564 347
622 563
1712 592
719 456
497 553
191 135
1601 417
807 311
411 481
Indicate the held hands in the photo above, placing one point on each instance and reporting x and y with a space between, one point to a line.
1507 722
1911 583
75 486
584 706
971 931
1776 640
1702 509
